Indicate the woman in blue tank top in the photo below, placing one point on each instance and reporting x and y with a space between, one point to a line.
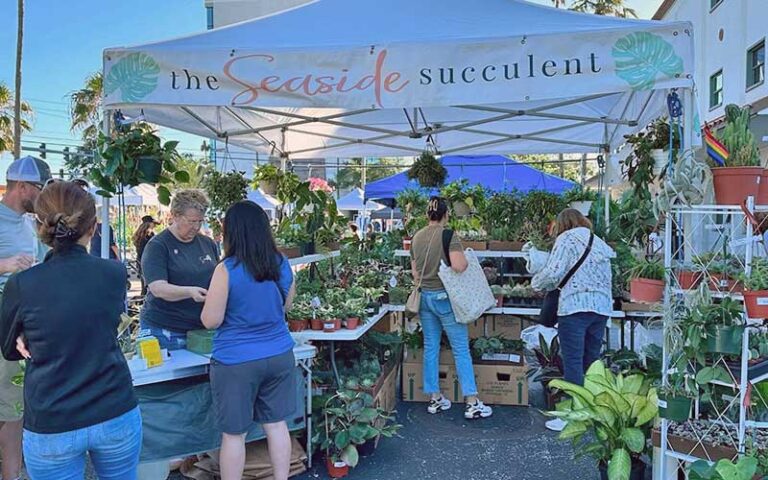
252 368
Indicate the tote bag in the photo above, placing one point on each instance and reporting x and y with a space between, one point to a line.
468 291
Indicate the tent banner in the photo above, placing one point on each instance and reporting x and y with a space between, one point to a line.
449 73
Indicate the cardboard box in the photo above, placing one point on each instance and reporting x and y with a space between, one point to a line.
502 384
477 328
413 383
416 356
508 326
390 323
386 398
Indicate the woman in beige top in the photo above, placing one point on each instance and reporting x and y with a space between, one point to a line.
436 314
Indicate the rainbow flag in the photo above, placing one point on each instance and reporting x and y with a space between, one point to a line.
715 149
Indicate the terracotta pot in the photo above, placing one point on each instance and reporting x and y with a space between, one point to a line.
734 184
478 246
316 324
724 283
500 301
644 290
297 325
689 280
407 244
756 302
762 192
337 469
352 323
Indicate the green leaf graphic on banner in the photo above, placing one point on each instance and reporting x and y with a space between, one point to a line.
641 57
135 76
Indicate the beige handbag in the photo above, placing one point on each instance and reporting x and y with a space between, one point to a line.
413 303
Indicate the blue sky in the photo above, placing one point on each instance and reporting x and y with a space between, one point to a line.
63 43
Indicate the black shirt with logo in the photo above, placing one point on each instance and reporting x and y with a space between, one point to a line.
184 264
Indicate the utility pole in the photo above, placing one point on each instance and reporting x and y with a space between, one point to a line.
17 92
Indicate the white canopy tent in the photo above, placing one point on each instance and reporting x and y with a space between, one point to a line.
353 201
348 78
265 201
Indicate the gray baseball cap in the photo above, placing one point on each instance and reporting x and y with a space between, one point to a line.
29 169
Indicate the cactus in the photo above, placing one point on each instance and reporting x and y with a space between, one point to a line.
738 139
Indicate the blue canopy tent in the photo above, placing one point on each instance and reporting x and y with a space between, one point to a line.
495 172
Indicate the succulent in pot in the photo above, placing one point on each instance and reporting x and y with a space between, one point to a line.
647 284
756 293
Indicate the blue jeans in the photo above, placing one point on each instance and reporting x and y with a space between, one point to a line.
436 315
114 448
169 339
581 339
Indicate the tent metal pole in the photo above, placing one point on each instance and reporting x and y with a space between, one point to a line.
105 127
606 162
688 114
197 117
250 130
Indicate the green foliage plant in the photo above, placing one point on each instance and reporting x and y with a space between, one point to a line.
744 469
428 170
223 190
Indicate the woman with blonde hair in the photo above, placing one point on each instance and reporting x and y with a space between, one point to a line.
586 300
177 266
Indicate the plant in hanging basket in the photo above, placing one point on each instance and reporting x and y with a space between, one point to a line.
462 198
756 293
740 177
131 157
617 437
428 171
267 177
581 199
647 284
223 190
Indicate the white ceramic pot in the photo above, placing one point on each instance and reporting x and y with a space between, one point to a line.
582 206
660 160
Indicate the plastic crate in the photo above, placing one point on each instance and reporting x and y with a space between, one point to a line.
200 341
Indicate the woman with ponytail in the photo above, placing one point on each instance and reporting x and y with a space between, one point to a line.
62 317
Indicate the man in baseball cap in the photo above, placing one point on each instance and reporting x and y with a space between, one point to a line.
19 250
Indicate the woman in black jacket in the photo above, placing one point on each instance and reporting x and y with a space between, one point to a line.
62 317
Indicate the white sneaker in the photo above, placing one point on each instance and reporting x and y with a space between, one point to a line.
556 425
437 405
477 410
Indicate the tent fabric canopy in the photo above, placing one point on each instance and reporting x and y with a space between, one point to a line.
496 173
390 78
353 201
265 201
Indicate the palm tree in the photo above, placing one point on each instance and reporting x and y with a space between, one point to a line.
7 116
617 8
85 108
17 95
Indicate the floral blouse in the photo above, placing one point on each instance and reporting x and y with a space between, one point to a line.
589 289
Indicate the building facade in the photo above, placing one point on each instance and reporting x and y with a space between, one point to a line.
730 56
226 12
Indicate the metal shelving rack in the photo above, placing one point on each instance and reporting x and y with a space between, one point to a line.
690 232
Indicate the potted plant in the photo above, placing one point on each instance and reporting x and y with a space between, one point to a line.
723 325
463 198
131 157
676 397
428 171
502 217
266 177
550 368
298 317
618 435
223 190
756 293
354 311
744 469
658 133
581 199
413 205
647 281
741 176
689 277
722 269
350 420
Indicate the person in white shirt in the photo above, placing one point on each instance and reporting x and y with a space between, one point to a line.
586 300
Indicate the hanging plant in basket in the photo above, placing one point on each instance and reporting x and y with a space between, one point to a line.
132 157
223 190
428 170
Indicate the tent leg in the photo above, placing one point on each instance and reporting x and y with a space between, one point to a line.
688 115
105 123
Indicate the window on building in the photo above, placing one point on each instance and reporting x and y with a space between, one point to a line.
756 64
209 15
716 89
714 3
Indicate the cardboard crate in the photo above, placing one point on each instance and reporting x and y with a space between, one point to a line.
386 398
508 326
502 384
416 356
390 323
477 328
413 383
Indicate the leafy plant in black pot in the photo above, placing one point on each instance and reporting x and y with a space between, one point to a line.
132 157
428 170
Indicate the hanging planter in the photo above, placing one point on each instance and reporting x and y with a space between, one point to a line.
428 170
725 340
461 209
266 177
660 160
150 168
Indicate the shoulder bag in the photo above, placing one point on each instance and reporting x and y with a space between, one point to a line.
468 291
548 315
413 303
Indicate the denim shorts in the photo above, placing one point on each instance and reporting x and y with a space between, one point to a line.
168 339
